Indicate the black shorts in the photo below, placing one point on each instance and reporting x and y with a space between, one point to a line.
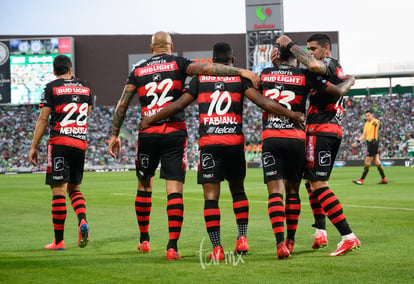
170 150
217 162
64 164
320 155
283 158
372 148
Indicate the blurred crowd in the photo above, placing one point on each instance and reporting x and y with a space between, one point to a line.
396 113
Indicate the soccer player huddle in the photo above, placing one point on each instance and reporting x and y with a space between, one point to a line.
292 149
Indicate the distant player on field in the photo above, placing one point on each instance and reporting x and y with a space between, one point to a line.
221 143
67 100
409 148
370 134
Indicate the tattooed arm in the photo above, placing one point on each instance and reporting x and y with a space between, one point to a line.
118 118
313 65
222 70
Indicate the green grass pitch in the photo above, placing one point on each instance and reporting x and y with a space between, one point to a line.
382 216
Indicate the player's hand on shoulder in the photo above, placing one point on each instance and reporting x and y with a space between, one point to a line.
252 76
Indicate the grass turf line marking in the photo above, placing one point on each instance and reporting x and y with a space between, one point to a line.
303 203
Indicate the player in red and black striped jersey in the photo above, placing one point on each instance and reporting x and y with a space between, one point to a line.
67 100
323 138
70 101
284 142
159 82
221 143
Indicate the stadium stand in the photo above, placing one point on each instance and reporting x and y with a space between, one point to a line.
396 113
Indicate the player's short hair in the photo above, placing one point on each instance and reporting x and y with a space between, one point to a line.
369 111
61 64
321 39
285 54
222 52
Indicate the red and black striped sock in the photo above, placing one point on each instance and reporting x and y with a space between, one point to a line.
317 210
276 212
333 209
143 203
241 211
78 204
212 219
292 212
175 213
58 216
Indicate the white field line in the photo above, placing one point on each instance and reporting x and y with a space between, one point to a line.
303 203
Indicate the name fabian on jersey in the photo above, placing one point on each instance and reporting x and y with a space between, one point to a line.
219 120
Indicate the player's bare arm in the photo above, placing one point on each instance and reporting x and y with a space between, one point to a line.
211 69
122 107
222 70
359 140
128 93
347 84
40 129
342 88
166 112
275 107
313 65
